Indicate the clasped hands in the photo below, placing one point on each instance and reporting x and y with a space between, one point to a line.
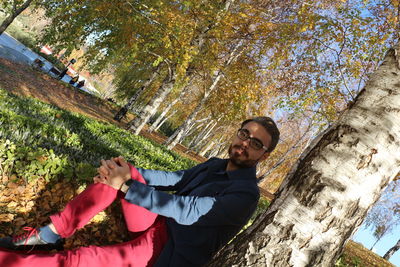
114 172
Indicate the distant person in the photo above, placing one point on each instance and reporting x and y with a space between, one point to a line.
81 84
74 80
38 63
111 100
210 204
62 74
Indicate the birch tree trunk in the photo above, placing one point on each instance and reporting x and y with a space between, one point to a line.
376 241
150 109
128 106
326 196
206 149
15 11
284 157
179 134
165 120
391 251
159 121
162 115
202 135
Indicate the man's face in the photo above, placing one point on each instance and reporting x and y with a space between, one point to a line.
241 154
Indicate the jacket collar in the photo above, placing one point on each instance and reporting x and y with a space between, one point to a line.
239 174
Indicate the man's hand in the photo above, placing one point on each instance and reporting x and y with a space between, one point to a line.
114 172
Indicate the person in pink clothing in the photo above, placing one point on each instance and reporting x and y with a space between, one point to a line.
141 251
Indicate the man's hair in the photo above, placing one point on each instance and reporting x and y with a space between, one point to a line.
271 128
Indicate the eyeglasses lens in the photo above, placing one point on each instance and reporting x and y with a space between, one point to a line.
243 134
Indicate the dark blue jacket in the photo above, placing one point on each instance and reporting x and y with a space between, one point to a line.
208 207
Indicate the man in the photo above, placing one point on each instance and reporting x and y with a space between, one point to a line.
74 79
210 204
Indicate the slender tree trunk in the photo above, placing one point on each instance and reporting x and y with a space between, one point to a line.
177 137
128 106
326 196
203 137
150 109
162 115
206 149
283 158
222 151
391 251
218 148
195 125
179 133
200 137
160 118
376 241
14 13
165 120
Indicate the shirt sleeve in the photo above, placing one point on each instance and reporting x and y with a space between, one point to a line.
162 178
232 208
165 180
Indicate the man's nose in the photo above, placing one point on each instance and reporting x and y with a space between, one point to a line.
246 142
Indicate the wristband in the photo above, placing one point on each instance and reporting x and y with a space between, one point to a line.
125 186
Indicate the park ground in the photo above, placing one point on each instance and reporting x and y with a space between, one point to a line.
108 226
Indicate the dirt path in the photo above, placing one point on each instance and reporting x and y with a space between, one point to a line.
24 80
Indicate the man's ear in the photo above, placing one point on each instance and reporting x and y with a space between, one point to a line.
265 156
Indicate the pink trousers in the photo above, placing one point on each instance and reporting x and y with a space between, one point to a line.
139 252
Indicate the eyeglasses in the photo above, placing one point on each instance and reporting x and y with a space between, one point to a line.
255 143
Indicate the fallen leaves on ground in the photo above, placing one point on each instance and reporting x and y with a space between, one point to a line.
30 204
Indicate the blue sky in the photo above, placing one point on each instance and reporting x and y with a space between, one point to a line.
365 237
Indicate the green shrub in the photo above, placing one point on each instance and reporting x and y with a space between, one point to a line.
29 163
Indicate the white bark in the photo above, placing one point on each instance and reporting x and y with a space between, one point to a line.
201 135
165 120
206 149
180 132
192 128
204 137
326 196
162 115
285 156
150 109
160 120
178 136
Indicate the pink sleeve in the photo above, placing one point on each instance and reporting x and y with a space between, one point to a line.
135 175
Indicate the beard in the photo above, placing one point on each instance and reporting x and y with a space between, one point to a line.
234 157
